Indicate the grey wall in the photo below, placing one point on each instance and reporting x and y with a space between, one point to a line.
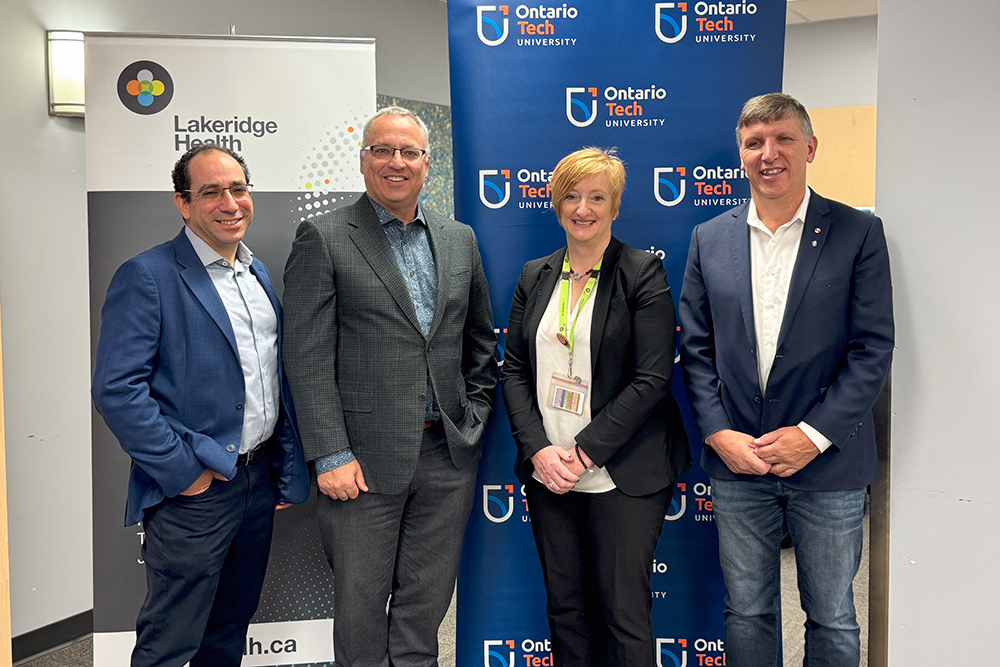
43 250
832 63
937 169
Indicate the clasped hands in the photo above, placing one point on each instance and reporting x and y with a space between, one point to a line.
783 452
559 469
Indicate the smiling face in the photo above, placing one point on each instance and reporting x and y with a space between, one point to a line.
774 155
586 213
395 183
222 223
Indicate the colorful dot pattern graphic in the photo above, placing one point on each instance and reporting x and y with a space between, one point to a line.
145 87
326 168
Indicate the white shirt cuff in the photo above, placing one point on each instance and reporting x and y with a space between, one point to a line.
821 441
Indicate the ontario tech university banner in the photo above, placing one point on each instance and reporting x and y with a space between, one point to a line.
149 99
664 82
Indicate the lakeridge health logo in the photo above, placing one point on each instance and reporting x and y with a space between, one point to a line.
145 87
668 29
494 35
663 186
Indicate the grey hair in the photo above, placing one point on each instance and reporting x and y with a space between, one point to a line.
396 111
772 107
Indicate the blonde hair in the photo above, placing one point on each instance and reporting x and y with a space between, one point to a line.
584 163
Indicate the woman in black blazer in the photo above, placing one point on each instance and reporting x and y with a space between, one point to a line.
586 381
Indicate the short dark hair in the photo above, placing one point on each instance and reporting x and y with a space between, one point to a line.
182 179
769 108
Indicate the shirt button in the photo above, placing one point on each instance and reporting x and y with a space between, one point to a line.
423 397
230 448
239 406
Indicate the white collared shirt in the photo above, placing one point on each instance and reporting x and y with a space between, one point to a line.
772 260
255 326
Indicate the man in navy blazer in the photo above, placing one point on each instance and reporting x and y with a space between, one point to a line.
786 340
188 377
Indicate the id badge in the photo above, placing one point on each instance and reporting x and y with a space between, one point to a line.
565 393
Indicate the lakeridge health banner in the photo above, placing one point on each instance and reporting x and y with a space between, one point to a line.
149 99
664 82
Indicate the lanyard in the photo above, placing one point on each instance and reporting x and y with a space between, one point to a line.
565 335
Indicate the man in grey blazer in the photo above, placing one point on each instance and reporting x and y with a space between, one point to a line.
391 356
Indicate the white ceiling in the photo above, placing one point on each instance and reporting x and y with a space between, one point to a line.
809 11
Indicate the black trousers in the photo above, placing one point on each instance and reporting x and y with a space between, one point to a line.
596 551
206 556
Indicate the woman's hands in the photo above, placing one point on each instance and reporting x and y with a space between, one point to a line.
558 468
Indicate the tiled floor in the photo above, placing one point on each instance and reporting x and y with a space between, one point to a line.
81 654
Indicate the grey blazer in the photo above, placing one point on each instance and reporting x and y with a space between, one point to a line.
355 356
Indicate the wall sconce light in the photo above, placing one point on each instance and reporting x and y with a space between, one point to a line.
65 73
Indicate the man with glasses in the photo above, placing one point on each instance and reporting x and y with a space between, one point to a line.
390 353
188 377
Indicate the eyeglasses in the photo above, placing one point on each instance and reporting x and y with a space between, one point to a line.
214 194
386 153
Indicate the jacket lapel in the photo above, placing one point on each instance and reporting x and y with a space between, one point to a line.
370 240
258 269
810 248
602 300
539 298
195 276
442 262
739 253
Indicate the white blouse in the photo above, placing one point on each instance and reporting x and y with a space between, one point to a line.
562 426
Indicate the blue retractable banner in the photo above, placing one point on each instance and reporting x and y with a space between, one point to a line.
664 82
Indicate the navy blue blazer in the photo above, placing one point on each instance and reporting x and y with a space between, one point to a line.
833 350
168 381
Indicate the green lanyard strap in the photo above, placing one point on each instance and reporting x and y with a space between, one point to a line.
565 335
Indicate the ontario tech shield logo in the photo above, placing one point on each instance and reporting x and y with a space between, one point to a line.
661 186
499 35
145 87
677 509
667 28
501 197
671 652
494 507
494 658
577 111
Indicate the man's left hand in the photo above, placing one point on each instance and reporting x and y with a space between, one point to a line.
787 450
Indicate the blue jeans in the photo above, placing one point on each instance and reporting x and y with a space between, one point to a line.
826 529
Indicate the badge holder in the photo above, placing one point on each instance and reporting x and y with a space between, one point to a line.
566 393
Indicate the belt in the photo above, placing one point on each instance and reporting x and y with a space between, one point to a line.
249 457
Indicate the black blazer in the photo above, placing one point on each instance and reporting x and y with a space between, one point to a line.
635 429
